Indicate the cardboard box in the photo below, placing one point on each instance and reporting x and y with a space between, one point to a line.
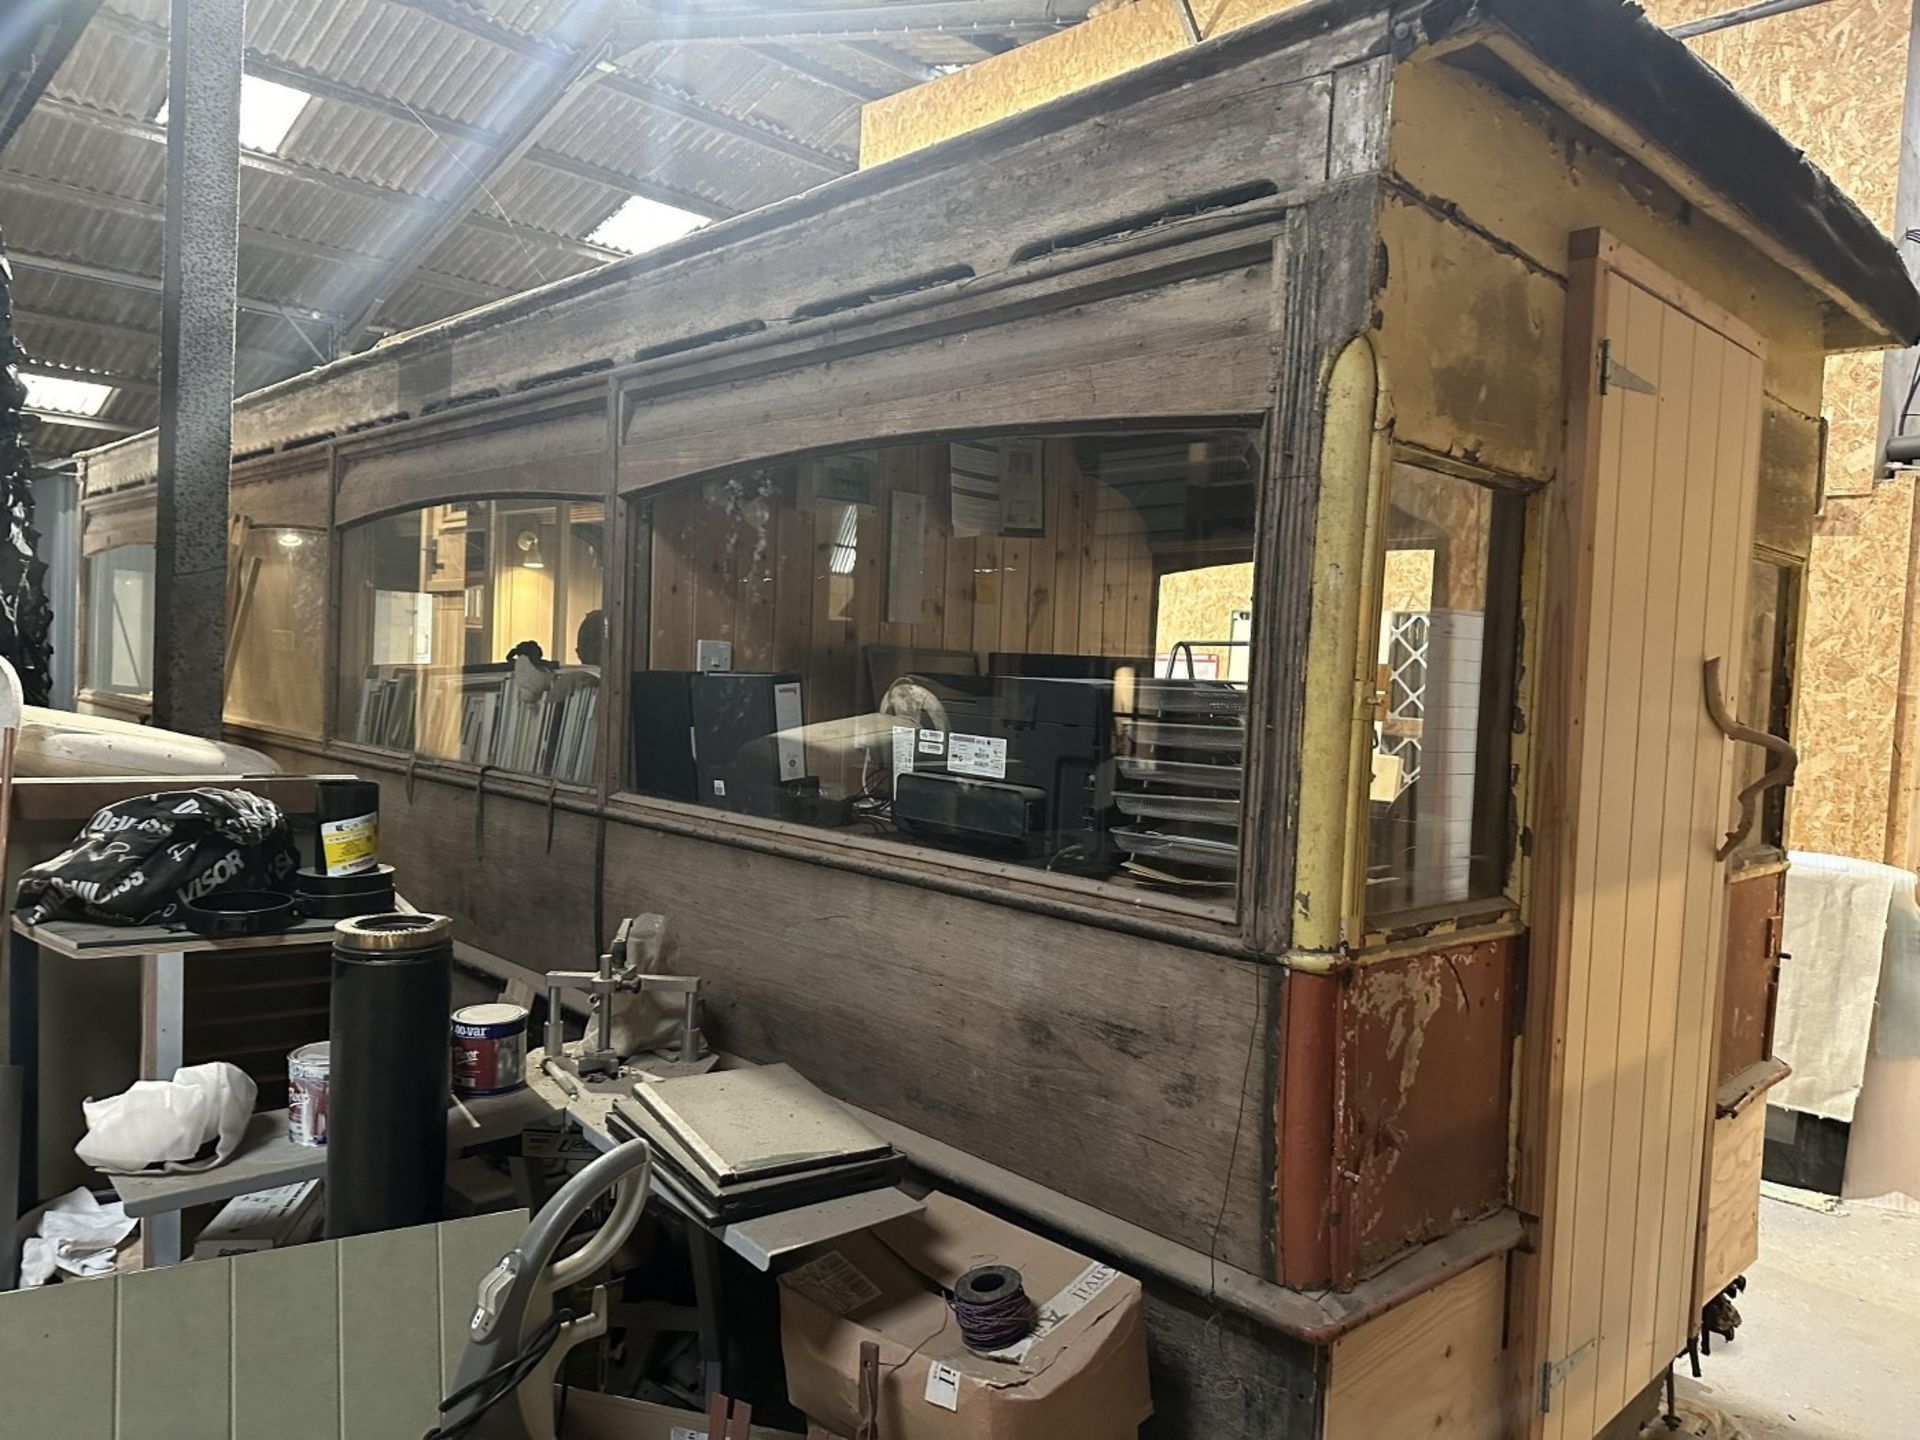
264 1220
1083 1373
591 1416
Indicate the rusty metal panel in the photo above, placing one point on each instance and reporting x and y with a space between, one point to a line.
1420 1102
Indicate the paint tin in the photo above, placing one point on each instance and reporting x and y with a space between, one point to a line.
489 1049
307 1070
348 812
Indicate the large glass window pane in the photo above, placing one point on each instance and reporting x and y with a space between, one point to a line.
461 630
280 607
120 621
1438 802
1031 648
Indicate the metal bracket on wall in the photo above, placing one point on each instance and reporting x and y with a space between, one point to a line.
1614 375
1775 776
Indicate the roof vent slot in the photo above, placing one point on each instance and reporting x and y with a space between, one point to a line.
700 341
1180 210
454 402
932 280
555 377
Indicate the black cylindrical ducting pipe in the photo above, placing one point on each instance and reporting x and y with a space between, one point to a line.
387 1091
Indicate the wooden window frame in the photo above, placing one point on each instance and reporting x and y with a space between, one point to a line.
633 558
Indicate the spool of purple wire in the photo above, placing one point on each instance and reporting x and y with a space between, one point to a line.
992 1308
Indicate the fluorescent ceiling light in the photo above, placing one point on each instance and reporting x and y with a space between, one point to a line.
267 113
65 397
640 224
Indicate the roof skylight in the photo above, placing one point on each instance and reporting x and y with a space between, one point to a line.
267 112
641 224
58 395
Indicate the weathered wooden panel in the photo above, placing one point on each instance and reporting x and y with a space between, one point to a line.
1538 177
1422 1109
561 455
125 520
1790 463
1431 1368
1115 1069
505 889
1456 313
281 494
1732 1221
1216 1375
1190 349
1752 972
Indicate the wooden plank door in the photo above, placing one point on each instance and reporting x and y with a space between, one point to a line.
1647 567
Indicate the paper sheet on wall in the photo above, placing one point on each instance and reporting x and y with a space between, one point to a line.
973 474
906 557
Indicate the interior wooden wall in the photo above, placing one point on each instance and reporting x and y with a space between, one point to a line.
740 561
1833 78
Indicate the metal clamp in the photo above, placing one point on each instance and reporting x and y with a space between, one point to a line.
1776 776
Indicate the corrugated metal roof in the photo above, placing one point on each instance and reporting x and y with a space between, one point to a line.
412 100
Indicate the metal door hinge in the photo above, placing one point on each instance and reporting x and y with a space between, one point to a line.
1615 375
1555 1371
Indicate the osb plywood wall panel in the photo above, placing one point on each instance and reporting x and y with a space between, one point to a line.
1832 78
1107 44
1199 605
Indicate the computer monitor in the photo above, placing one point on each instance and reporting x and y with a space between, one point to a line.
1034 665
887 663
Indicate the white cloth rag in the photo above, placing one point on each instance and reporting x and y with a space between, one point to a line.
76 1234
167 1123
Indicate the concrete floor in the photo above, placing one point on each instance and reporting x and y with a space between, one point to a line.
1830 1347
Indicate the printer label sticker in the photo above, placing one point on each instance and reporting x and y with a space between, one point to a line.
834 1283
902 748
943 1386
982 755
933 742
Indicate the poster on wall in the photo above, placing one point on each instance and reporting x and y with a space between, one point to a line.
973 473
1023 489
906 556
999 487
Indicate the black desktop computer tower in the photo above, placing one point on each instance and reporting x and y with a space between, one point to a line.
717 738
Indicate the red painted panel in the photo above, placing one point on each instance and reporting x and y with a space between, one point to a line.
1421 1094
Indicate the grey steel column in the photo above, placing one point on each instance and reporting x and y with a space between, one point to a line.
205 48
